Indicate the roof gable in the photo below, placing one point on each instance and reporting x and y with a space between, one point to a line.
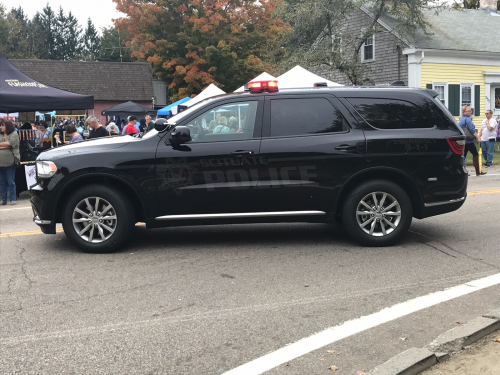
103 80
454 30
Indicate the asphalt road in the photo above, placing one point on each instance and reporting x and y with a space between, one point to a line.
205 300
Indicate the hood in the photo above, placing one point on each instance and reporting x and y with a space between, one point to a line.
88 146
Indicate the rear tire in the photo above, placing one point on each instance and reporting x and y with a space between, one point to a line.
98 219
377 213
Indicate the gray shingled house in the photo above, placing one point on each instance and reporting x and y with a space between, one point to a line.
460 59
110 83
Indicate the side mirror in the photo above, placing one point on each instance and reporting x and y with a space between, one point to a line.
180 135
161 124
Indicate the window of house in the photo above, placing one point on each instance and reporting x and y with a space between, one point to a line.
497 98
467 95
442 90
336 44
368 49
291 117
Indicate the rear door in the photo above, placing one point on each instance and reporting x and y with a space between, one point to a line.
310 149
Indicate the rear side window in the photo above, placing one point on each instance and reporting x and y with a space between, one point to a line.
397 114
305 116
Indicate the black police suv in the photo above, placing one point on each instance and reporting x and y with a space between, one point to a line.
372 158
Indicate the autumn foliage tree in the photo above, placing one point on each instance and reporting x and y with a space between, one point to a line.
193 43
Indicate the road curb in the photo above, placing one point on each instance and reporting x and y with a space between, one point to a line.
416 360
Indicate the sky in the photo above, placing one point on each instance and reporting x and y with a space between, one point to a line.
100 11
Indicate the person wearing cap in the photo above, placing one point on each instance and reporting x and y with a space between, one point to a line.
130 128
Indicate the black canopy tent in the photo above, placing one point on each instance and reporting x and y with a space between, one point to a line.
20 93
128 109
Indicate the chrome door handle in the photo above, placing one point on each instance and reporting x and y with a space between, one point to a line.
242 153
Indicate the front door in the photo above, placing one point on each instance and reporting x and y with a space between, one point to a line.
495 102
217 171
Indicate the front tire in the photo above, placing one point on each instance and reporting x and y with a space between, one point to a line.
98 219
377 213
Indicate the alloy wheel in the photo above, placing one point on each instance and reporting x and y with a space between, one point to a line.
94 219
378 214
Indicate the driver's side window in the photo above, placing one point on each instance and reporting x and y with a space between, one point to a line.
228 122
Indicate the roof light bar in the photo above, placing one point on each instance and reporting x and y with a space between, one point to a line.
263 86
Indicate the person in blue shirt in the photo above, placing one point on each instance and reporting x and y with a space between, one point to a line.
465 121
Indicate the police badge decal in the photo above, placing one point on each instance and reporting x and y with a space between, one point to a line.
175 174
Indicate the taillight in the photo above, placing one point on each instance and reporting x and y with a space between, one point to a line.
457 144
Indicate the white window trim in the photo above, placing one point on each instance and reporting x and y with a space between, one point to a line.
363 50
445 84
472 99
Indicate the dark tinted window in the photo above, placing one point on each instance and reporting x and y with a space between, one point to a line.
396 114
304 116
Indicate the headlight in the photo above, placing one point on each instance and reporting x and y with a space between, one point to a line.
45 169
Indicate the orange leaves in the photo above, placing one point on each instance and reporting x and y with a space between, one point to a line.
181 9
168 64
155 60
206 29
192 43
180 70
198 21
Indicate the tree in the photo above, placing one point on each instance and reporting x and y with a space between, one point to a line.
4 30
112 47
67 36
43 39
322 35
14 34
193 43
91 42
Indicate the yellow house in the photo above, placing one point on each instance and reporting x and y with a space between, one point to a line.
460 60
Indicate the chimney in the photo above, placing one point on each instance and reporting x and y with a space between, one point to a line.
491 4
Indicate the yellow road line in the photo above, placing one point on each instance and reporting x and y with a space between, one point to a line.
25 233
33 232
471 193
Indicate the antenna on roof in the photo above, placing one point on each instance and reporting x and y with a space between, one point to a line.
398 83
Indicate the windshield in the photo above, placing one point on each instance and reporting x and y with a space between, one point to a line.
181 115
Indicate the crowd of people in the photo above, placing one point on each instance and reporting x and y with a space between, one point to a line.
17 138
486 138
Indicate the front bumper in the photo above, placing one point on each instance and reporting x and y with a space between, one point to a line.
38 205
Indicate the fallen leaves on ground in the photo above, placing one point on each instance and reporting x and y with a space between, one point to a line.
360 373
460 323
333 368
496 340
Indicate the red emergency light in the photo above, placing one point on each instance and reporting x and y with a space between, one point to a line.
263 86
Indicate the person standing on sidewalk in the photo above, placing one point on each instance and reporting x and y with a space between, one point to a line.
9 152
464 122
488 135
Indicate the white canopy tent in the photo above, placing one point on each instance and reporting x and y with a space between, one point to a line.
210 91
261 77
300 77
